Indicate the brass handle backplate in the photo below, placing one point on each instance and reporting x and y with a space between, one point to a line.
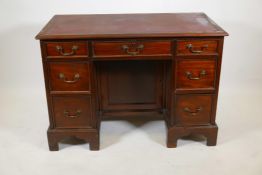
61 50
191 112
190 76
77 114
75 78
137 49
191 48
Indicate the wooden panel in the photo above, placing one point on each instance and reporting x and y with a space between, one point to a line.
193 109
197 47
69 76
131 85
130 26
72 111
195 74
129 48
66 49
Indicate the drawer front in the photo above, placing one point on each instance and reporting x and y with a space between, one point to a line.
193 109
196 74
197 47
67 49
123 49
72 111
69 76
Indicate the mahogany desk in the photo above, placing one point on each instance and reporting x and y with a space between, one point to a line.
104 66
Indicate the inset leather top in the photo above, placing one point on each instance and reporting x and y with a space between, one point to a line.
130 26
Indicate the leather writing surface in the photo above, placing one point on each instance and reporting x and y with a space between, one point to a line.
130 25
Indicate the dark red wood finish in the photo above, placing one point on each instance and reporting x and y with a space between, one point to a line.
72 111
196 74
164 65
66 49
193 109
69 76
131 85
115 48
197 47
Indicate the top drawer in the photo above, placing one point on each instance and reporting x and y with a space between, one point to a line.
66 49
197 47
129 48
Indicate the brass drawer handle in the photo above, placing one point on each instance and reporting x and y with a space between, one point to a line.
201 74
77 114
193 113
75 79
191 49
61 50
139 48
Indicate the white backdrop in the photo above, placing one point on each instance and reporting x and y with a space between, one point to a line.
21 20
23 112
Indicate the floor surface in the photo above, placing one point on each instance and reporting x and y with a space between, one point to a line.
131 148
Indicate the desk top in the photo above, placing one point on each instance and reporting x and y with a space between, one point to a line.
130 26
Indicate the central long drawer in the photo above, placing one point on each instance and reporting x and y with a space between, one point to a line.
131 48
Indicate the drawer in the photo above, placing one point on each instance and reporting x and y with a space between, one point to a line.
193 109
197 47
196 74
66 49
72 111
69 76
126 48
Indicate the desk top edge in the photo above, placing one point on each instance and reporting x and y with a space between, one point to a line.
140 25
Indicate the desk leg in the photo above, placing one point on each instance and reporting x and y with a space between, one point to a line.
176 132
94 142
91 136
171 139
